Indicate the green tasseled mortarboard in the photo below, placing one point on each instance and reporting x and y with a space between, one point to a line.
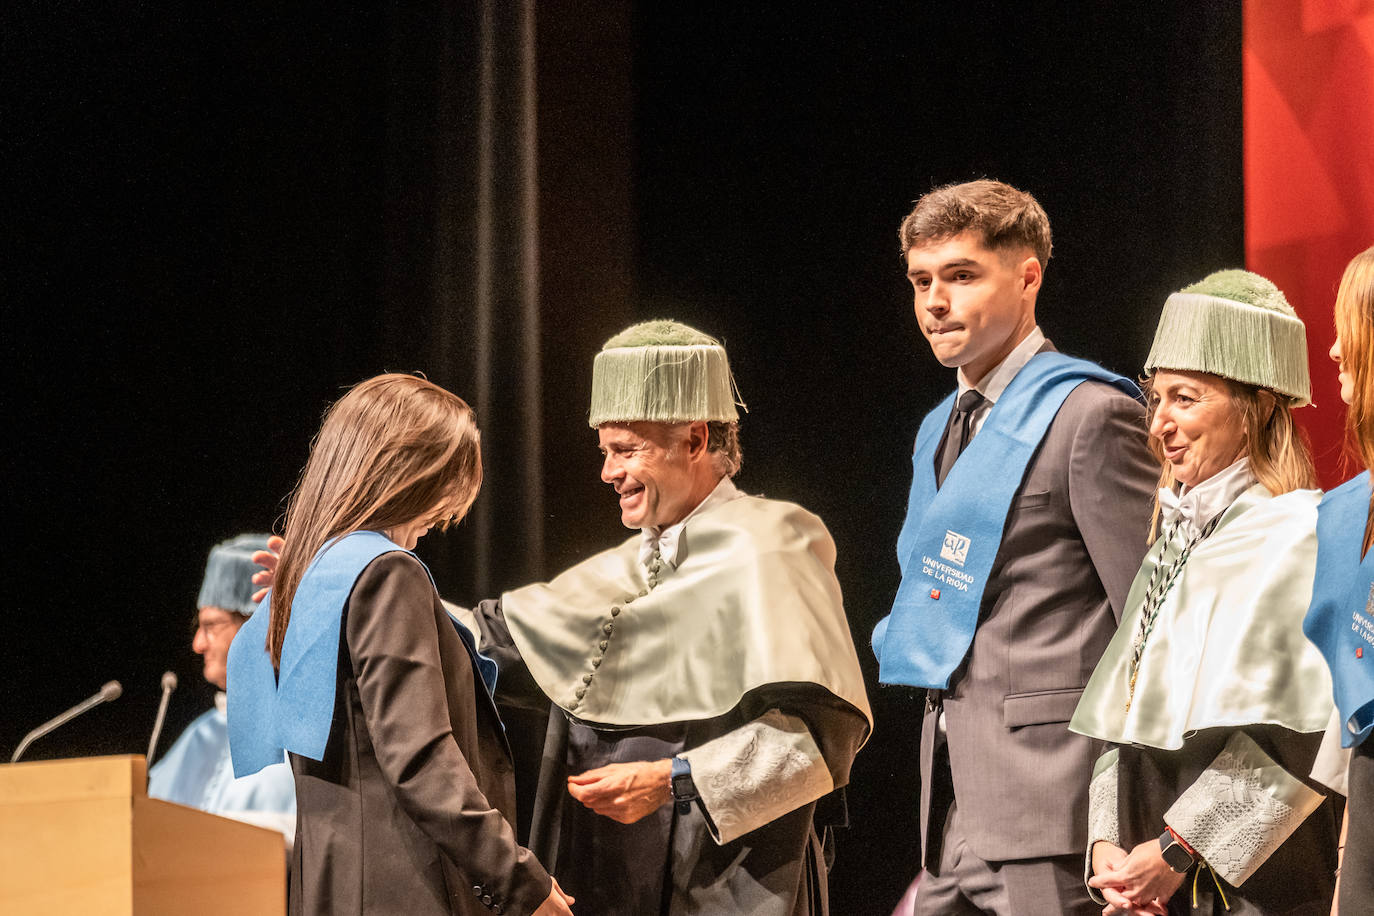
228 582
662 371
1237 325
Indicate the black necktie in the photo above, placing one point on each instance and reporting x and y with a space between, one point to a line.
958 434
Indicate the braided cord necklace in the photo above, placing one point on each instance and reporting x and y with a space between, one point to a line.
1161 581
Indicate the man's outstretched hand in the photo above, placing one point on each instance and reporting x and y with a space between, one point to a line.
624 792
268 560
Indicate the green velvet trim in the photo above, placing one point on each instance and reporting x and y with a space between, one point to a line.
1242 286
660 333
1255 344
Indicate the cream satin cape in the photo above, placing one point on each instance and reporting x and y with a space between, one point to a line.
753 601
1228 647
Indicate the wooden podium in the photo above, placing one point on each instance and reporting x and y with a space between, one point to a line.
82 836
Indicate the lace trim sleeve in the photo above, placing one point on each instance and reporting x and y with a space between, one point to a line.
1103 824
1241 809
757 773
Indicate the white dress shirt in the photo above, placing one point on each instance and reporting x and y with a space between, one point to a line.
1196 506
666 539
996 381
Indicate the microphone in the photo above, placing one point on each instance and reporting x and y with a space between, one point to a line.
110 691
169 683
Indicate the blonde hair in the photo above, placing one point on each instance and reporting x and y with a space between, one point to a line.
1279 455
389 451
1355 330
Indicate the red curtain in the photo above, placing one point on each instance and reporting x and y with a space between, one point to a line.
1309 173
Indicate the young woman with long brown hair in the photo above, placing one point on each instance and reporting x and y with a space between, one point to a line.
404 790
1341 620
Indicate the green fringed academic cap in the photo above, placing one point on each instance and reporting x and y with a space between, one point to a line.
229 572
662 371
1237 325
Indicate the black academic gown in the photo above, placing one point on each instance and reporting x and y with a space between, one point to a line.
668 863
1296 880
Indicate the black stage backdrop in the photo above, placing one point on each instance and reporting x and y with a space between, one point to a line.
220 218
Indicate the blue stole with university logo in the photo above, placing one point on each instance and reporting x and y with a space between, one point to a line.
293 710
952 533
1340 621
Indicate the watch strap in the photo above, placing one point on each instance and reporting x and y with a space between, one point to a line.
683 788
1175 853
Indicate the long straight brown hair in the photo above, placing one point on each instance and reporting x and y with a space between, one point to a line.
393 450
1355 329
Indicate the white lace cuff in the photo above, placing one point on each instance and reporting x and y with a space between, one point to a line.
757 773
1240 809
1102 812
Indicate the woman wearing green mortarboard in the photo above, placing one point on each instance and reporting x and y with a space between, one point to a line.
1211 697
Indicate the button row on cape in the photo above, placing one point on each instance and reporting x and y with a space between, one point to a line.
607 628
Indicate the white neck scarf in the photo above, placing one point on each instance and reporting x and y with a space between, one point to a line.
667 540
1198 505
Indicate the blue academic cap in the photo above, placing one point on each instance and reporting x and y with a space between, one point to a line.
229 572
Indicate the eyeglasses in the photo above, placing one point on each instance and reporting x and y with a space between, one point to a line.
212 627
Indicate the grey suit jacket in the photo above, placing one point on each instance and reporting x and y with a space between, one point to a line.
410 810
1074 538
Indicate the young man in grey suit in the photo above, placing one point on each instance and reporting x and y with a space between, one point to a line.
1031 490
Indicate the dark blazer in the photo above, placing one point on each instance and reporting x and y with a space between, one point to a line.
410 810
1073 541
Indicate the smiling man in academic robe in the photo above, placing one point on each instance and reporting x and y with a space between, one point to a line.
705 685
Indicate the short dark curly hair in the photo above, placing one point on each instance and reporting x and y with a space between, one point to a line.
1003 217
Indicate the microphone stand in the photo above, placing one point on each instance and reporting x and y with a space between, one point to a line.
169 683
110 691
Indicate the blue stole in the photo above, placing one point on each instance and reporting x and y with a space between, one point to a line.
188 774
952 533
293 710
1339 621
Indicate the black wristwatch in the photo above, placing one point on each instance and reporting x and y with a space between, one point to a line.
1175 856
684 790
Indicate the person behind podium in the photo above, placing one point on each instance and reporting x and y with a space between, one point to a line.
196 771
403 774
